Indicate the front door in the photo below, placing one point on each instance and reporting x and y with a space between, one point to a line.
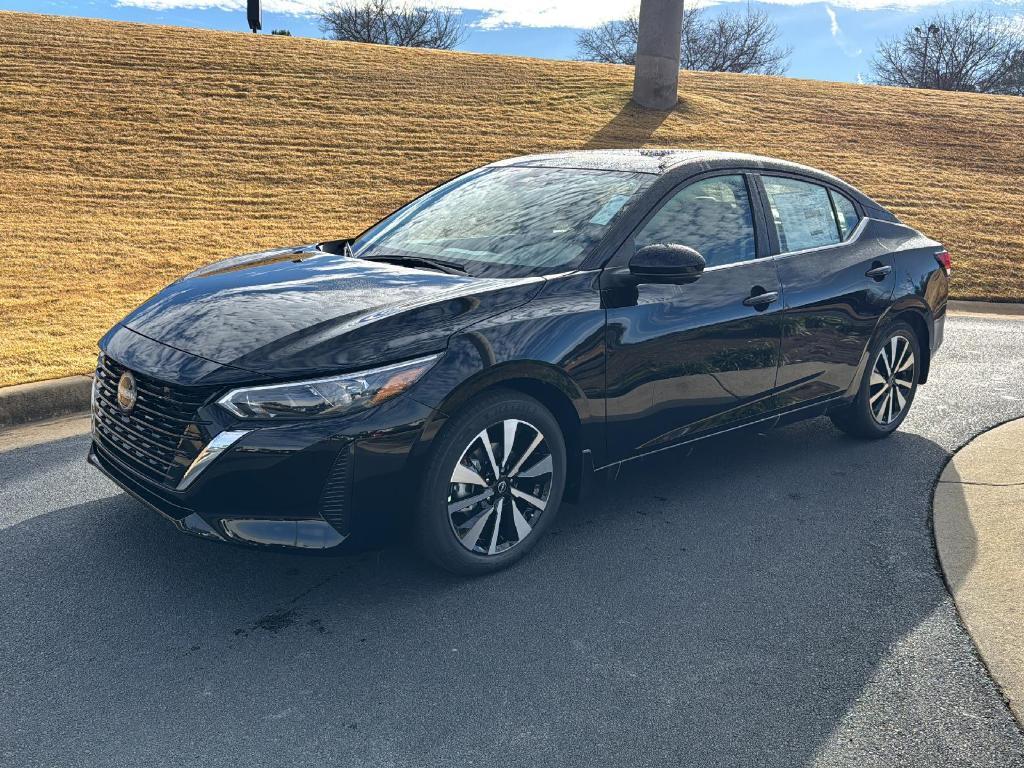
685 359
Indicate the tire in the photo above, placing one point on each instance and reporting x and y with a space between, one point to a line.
884 399
464 492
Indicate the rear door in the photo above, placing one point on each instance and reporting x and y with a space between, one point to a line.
685 359
836 285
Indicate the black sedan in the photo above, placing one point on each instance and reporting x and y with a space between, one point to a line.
470 362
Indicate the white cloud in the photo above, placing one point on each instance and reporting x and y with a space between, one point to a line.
297 7
838 36
834 21
536 13
497 13
1016 24
547 13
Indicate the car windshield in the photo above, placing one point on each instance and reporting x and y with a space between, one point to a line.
507 222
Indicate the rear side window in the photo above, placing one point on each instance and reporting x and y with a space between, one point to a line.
802 213
713 216
846 213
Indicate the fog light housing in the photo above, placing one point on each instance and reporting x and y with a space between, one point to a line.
195 525
302 534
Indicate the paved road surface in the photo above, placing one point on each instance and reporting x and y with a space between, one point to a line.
772 601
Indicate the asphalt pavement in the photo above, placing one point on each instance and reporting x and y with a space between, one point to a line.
764 600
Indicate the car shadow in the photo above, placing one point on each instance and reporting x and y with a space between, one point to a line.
717 606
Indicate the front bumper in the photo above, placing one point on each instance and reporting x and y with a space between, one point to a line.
310 533
314 485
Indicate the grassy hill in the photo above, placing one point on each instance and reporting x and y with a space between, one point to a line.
129 154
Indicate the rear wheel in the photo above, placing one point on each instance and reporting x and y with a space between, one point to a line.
887 388
493 484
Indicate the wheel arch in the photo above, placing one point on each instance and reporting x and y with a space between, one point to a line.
917 318
553 389
914 313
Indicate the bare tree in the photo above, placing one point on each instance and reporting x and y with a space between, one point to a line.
1015 74
966 51
734 42
613 42
388 23
725 42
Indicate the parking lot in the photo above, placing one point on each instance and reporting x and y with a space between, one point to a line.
765 599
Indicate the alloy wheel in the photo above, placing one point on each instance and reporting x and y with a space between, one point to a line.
892 380
500 487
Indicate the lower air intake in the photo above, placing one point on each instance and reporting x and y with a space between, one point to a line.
334 500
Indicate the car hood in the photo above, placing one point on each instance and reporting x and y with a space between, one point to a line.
299 310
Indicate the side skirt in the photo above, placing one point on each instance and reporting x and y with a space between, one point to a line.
797 414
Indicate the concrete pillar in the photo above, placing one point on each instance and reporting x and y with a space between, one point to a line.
656 78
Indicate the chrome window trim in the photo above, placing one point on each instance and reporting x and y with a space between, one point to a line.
861 225
854 236
743 263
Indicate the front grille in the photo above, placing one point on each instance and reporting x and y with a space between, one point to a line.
335 496
161 435
163 500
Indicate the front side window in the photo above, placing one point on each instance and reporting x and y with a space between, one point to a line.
712 216
846 213
509 221
802 213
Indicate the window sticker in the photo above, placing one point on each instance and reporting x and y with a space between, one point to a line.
806 222
609 209
803 213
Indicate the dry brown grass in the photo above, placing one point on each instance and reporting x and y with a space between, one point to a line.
129 154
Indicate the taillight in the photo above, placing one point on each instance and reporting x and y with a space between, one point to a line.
943 258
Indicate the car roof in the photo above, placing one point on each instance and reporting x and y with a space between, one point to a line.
677 162
656 161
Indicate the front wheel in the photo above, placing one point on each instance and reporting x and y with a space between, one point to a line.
493 484
887 388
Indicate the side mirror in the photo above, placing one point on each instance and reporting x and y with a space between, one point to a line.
666 263
342 246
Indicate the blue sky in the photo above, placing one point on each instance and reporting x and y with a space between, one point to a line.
830 41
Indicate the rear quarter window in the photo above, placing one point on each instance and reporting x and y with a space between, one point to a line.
802 213
846 213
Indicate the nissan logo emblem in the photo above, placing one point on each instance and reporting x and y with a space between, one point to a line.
127 392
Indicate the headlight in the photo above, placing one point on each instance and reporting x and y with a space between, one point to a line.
326 397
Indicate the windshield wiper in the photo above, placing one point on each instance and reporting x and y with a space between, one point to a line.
449 267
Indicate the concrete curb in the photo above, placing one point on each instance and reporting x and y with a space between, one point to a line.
42 400
979 535
984 308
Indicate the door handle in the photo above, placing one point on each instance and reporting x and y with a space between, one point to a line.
761 300
878 271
